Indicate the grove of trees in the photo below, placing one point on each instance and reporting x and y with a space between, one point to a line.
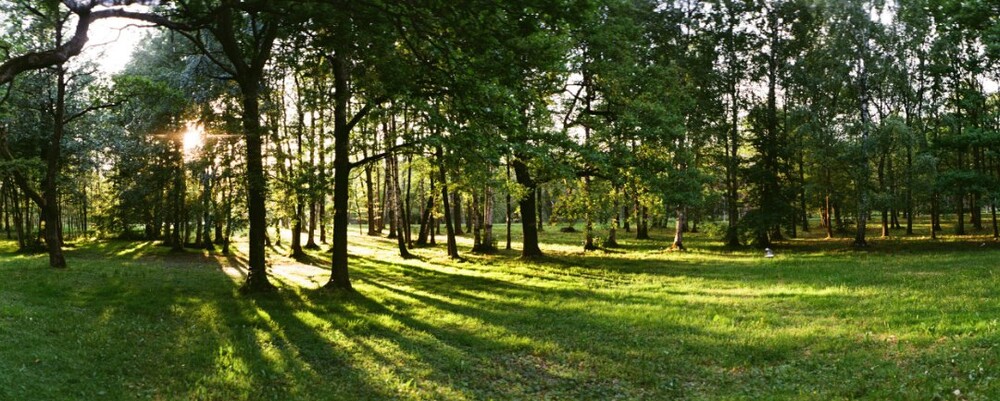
427 120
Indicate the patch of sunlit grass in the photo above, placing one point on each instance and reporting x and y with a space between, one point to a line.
905 319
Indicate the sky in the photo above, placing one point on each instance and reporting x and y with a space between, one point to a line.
112 41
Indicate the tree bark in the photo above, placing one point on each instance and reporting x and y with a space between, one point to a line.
449 224
339 276
679 230
529 225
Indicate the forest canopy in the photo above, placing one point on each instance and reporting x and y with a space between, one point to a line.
753 120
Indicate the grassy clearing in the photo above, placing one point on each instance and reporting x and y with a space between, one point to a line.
906 320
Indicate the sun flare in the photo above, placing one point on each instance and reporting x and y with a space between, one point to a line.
194 137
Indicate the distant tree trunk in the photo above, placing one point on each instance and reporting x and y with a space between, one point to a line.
993 212
541 216
624 217
425 219
476 220
5 202
311 233
229 218
909 188
321 205
960 226
484 221
839 218
177 243
679 230
612 241
936 212
588 227
863 168
296 249
207 215
641 221
456 198
311 195
488 218
529 225
510 216
390 211
470 218
370 200
826 217
881 183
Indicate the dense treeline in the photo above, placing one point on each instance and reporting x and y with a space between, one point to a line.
426 121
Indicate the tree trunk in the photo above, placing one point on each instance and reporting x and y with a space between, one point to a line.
529 225
588 226
679 230
993 212
206 214
407 224
449 224
397 204
370 200
488 218
425 218
456 199
541 208
510 215
296 248
477 223
50 190
339 277
390 210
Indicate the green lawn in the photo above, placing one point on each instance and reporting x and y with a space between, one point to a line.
908 319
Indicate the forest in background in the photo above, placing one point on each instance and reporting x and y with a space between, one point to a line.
747 118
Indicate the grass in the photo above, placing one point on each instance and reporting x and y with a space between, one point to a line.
906 319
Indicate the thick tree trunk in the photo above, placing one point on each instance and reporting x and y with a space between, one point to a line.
50 190
339 277
529 225
257 280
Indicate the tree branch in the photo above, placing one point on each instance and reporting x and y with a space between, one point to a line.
383 155
365 110
81 113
